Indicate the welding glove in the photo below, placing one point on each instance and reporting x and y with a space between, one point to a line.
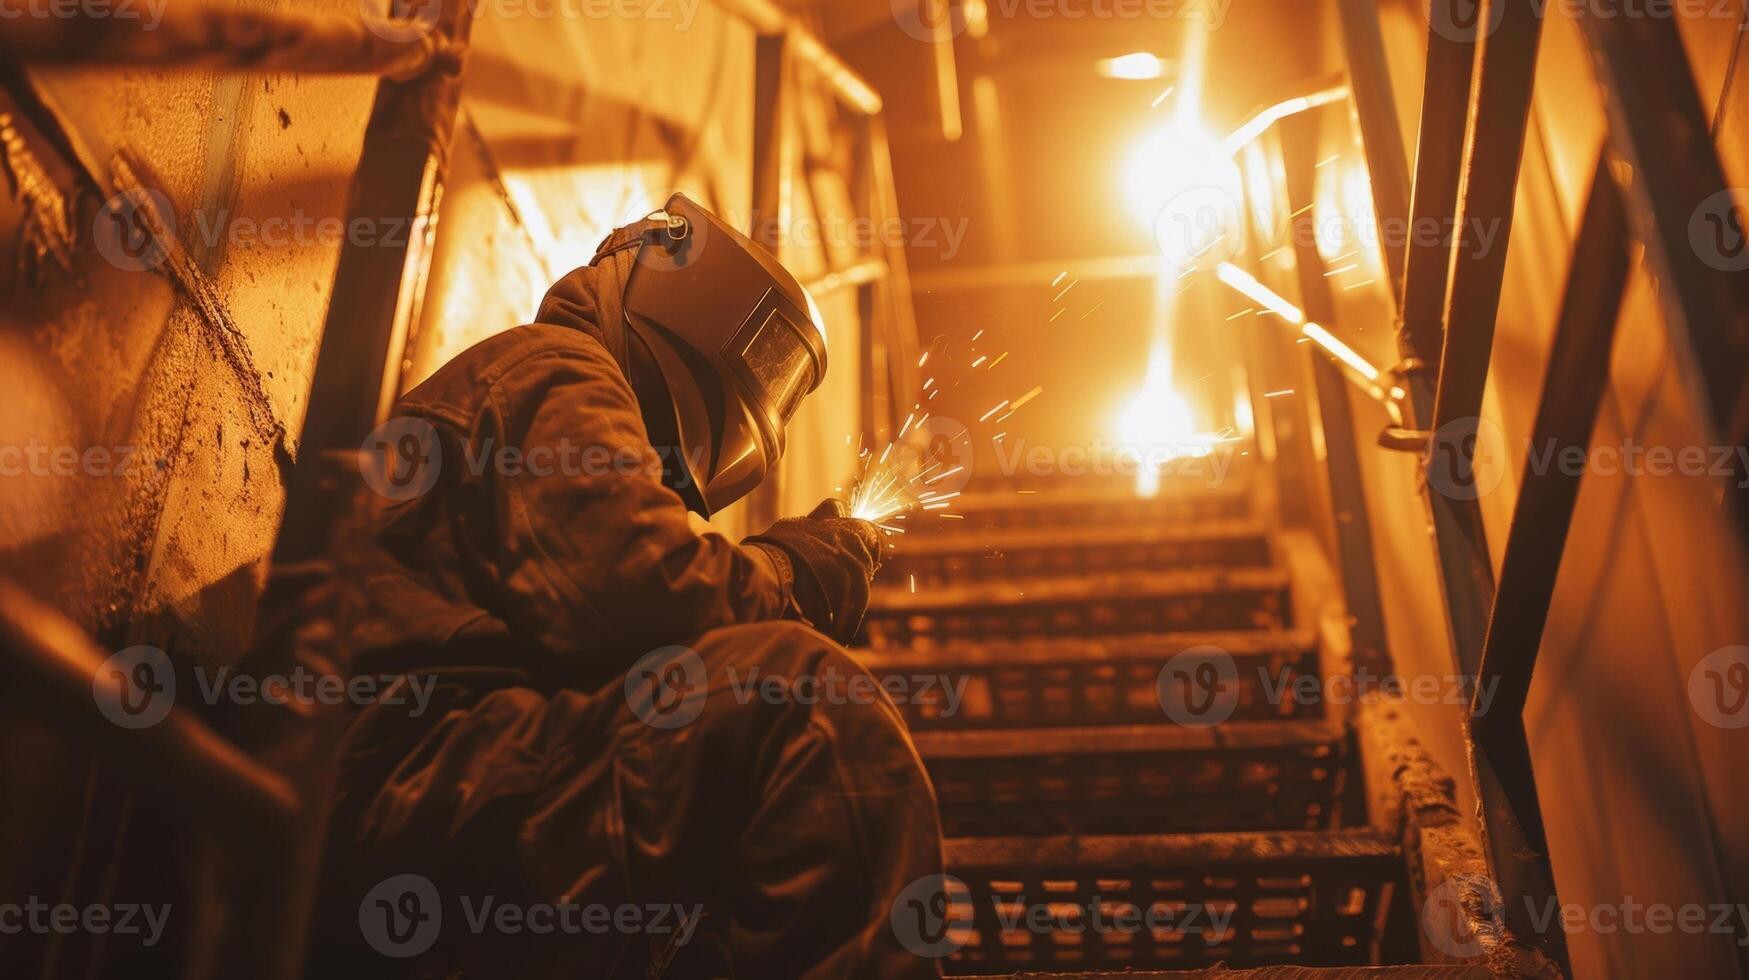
833 557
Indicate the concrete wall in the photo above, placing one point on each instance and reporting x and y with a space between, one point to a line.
108 356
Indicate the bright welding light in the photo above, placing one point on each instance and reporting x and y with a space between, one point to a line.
1172 161
1137 66
1258 293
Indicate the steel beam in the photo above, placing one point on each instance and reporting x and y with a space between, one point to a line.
1381 134
1354 538
1498 116
1679 205
1572 389
378 290
1445 99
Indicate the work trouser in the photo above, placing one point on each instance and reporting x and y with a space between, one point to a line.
572 834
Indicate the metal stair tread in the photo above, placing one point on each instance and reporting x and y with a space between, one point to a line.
1081 855
1043 537
1020 743
1070 651
1104 587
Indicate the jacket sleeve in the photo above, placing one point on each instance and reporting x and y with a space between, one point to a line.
595 555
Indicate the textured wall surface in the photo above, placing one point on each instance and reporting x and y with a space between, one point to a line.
113 357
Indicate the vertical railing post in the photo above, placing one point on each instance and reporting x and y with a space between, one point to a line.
378 288
1381 134
1445 104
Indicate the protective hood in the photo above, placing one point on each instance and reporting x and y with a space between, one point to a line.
718 340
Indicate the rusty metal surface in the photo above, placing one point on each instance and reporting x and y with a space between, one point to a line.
1142 779
1292 896
1094 740
1407 972
1413 799
1147 648
1038 683
980 553
1139 585
47 234
1105 605
198 34
1083 855
975 540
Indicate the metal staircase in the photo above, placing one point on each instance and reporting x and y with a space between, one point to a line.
1069 794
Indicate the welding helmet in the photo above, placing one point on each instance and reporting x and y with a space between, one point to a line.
724 343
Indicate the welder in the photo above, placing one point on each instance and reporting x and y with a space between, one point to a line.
585 745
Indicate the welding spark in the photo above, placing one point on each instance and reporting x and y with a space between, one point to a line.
879 495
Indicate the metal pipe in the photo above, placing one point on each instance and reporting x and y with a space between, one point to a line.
221 36
1324 94
1445 100
768 20
208 35
56 671
1505 76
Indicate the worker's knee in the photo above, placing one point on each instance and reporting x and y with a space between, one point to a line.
788 665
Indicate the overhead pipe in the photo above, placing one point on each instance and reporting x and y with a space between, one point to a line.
223 36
